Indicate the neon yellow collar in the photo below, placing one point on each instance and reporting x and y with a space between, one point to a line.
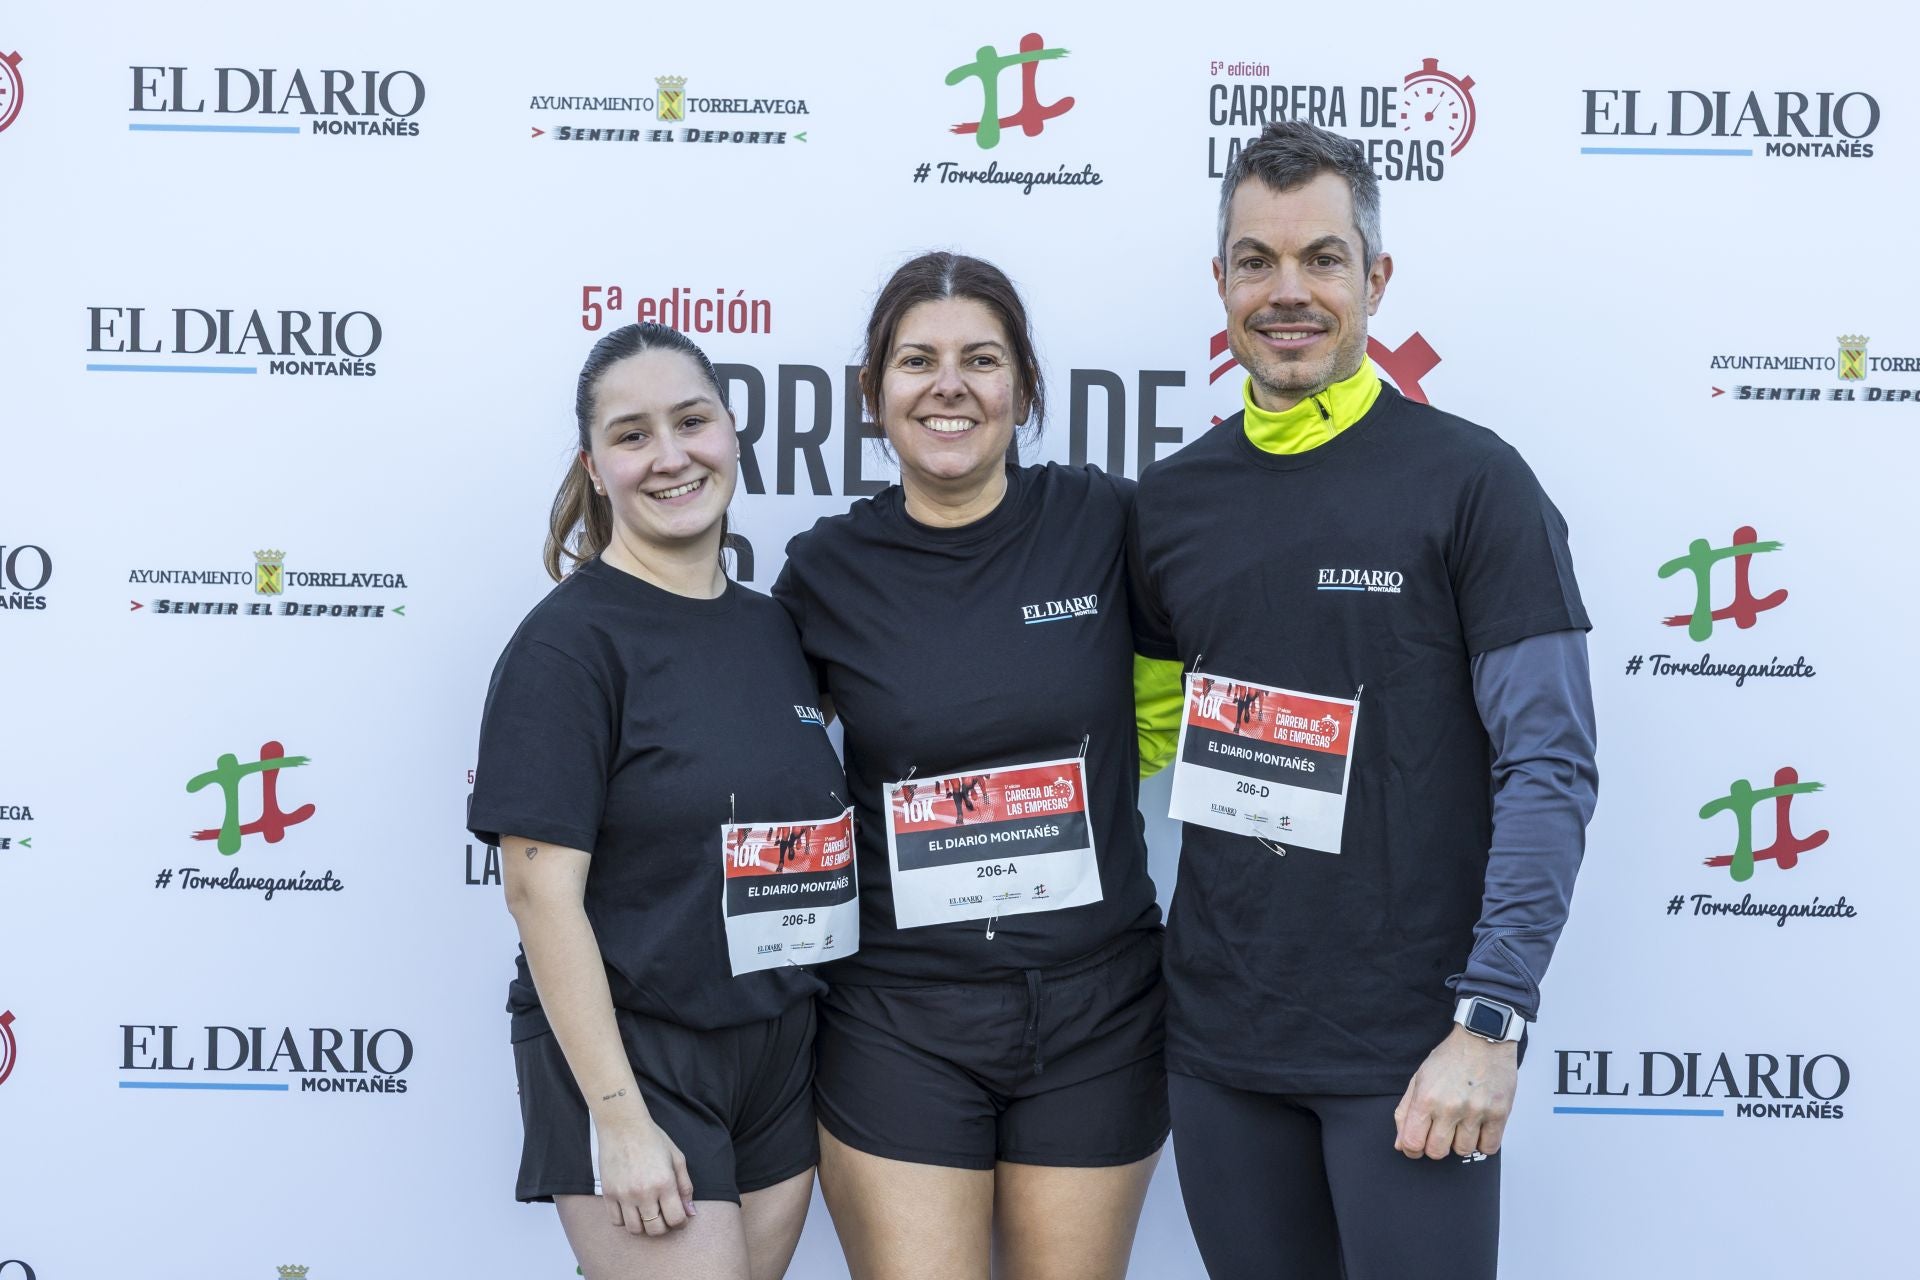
1315 420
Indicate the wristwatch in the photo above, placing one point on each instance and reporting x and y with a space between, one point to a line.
1489 1019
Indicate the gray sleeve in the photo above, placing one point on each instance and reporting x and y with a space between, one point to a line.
1536 702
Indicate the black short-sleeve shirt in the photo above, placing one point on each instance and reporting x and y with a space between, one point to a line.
630 722
1377 566
921 641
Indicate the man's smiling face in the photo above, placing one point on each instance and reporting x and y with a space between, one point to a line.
1297 287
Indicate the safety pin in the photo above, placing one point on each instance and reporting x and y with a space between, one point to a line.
1085 739
1272 846
990 920
733 812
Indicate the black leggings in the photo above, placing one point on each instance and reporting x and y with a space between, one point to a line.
1310 1187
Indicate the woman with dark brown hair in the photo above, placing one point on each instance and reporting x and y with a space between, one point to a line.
989 1081
645 737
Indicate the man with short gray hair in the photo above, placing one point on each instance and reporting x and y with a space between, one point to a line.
1385 763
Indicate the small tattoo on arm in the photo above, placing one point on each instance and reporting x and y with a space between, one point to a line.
609 1097
532 849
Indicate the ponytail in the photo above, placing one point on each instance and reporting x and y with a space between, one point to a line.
581 523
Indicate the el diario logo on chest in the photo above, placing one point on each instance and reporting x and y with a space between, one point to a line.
1060 610
809 715
1386 580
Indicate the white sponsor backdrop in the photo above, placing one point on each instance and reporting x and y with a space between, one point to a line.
1575 303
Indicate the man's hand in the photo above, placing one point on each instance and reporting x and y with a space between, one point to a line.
1459 1100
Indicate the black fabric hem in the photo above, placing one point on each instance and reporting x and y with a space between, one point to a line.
546 1197
536 1195
535 829
1090 1162
1499 636
888 1151
747 1185
947 1160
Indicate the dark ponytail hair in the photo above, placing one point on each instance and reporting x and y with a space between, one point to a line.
581 523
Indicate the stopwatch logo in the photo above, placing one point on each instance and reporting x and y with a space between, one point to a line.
11 89
9 1051
1436 104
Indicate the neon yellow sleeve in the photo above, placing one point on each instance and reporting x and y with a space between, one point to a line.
1157 702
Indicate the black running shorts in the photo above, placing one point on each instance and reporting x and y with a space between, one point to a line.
738 1102
1059 1067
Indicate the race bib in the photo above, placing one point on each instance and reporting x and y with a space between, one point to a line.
1259 761
792 895
1001 842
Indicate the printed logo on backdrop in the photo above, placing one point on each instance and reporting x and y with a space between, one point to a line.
13 89
996 82
1760 812
488 871
1408 126
804 424
14 1269
718 119
25 570
293 1272
13 832
1403 366
1853 375
245 101
259 591
1702 1085
9 1046
1723 123
249 1059
1720 579
688 310
334 344
233 788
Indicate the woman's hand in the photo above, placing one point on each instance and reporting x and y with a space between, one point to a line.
643 1178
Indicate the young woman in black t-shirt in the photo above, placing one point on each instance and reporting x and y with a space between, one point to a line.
990 1081
645 710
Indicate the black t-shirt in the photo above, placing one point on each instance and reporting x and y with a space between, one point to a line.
632 723
1385 558
920 639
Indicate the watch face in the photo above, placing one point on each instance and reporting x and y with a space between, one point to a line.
1487 1020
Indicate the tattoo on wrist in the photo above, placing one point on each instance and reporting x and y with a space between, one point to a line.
531 850
609 1097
